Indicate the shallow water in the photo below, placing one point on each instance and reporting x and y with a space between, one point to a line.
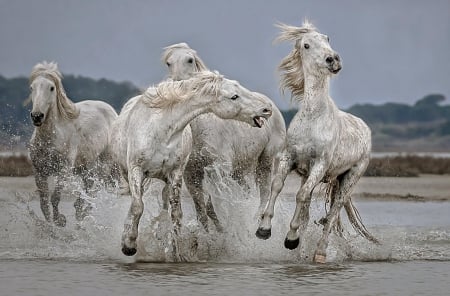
84 258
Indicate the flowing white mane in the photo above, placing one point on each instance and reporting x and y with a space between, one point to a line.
291 66
169 50
65 106
169 93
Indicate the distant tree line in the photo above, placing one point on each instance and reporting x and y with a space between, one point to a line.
428 117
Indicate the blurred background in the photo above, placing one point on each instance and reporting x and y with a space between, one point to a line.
396 66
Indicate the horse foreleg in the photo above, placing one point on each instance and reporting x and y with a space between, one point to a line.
166 196
212 214
130 232
303 201
59 219
347 182
265 225
263 178
42 185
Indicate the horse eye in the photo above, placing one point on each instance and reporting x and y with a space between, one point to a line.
306 45
234 97
328 38
168 64
190 61
52 88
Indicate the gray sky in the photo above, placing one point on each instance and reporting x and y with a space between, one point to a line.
396 50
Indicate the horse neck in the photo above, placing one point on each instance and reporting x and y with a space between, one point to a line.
183 113
316 99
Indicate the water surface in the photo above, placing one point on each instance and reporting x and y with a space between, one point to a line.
84 258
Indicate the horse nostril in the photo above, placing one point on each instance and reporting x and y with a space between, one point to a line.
37 116
329 60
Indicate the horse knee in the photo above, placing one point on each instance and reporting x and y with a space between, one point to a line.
137 207
277 184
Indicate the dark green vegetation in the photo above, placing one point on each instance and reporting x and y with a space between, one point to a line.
424 126
15 166
392 166
407 166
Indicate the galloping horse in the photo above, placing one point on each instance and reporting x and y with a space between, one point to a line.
216 141
67 138
147 138
324 144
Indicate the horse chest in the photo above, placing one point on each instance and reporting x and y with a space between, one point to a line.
162 161
46 159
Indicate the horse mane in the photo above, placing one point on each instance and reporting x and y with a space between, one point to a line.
168 51
291 66
169 93
65 106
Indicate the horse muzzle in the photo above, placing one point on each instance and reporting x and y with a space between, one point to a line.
259 120
37 118
334 64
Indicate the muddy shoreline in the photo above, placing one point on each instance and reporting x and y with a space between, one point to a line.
419 189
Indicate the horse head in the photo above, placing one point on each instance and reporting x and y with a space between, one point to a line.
182 61
236 102
47 93
312 54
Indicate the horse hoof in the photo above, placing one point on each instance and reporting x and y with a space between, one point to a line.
319 258
262 233
60 221
128 251
291 244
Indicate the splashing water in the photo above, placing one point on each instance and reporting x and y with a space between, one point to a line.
25 234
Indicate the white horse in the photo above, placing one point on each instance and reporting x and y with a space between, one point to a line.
216 141
324 144
68 138
147 139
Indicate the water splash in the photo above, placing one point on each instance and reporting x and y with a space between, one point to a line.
25 234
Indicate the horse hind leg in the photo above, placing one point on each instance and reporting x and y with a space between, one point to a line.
331 192
347 182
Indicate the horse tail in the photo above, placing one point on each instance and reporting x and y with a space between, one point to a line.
356 221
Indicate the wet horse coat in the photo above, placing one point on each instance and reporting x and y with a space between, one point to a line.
216 141
68 138
146 140
324 144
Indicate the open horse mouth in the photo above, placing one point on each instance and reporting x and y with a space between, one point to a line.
335 71
259 121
